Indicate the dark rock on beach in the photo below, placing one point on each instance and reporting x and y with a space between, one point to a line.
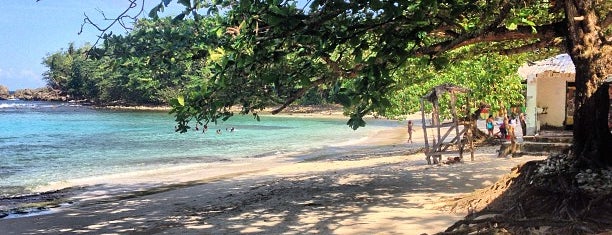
29 203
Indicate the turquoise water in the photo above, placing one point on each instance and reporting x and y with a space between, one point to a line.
43 142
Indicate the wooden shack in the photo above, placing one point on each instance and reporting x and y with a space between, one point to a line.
441 140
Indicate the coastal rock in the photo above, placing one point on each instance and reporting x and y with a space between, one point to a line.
4 92
44 93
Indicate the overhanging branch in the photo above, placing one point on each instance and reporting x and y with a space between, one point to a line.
120 19
544 33
336 70
531 47
299 94
607 21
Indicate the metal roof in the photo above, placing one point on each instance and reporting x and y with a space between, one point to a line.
560 64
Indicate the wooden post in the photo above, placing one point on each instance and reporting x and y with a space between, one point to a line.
456 122
424 124
425 137
436 121
470 132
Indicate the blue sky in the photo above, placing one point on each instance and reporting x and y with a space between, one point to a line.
30 30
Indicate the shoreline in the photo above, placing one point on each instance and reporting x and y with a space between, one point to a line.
25 189
121 185
143 182
301 110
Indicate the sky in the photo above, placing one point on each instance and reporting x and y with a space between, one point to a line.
31 30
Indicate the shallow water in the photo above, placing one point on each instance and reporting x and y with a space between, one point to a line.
43 142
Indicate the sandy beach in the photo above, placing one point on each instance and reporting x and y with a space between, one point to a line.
378 185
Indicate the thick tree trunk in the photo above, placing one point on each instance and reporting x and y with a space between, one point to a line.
593 61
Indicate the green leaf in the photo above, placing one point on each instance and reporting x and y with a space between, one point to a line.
528 22
179 17
181 100
512 26
219 32
277 10
186 3
155 10
355 122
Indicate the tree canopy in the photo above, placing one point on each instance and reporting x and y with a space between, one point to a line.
281 49
162 57
354 46
253 54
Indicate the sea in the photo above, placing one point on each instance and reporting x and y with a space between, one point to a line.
45 142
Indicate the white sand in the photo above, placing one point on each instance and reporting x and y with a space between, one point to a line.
372 187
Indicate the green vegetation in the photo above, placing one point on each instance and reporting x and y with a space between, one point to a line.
153 63
492 78
162 59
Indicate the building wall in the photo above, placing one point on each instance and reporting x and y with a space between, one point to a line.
530 100
551 95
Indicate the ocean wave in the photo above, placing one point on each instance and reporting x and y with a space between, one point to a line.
8 106
33 105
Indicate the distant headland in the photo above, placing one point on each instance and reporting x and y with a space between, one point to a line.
42 94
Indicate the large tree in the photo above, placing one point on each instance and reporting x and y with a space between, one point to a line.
588 40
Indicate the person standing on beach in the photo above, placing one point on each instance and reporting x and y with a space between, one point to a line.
409 131
503 128
490 126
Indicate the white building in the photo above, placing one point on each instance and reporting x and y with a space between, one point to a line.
550 92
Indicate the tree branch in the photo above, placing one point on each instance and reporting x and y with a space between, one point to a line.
458 41
544 33
299 94
531 47
604 25
336 70
117 20
607 21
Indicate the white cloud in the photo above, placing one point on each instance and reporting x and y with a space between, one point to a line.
20 79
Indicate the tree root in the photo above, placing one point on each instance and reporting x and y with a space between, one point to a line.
527 202
496 222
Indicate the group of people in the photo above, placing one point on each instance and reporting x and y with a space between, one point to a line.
205 128
506 128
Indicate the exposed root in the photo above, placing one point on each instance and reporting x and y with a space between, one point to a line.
537 198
